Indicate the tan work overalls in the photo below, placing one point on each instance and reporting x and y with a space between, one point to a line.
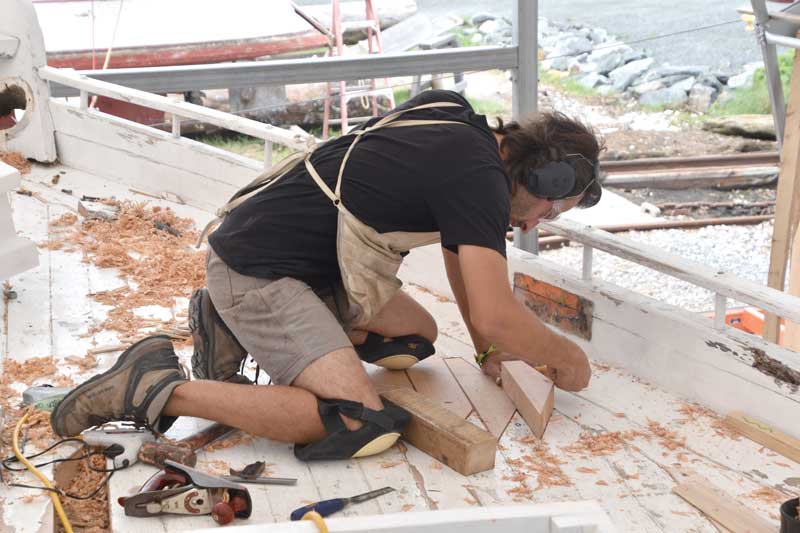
368 260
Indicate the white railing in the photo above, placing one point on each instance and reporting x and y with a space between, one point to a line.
179 110
722 284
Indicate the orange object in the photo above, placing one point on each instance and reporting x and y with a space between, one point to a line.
748 319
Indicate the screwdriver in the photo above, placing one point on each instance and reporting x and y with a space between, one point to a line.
328 507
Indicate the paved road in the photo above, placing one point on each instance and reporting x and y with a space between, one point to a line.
722 48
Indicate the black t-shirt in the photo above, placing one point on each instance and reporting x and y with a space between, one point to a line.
447 178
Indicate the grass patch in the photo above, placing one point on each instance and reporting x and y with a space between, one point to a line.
463 37
245 146
755 98
564 83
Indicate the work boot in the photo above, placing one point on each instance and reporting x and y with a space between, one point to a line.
135 389
217 353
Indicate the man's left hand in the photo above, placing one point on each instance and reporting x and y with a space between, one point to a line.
492 363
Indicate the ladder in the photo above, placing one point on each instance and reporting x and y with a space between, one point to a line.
347 93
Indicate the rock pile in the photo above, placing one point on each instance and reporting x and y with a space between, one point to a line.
600 61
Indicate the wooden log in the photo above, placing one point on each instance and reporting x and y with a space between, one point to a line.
721 507
758 431
707 178
532 393
444 435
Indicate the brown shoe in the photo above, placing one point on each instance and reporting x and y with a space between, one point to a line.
135 389
217 353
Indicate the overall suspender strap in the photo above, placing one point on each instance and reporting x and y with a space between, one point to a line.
266 179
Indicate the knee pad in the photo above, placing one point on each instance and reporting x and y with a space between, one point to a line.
380 431
394 353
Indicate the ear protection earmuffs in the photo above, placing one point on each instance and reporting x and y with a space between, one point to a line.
555 180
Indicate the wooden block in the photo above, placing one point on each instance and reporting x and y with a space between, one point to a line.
532 393
444 435
721 506
763 434
97 210
492 404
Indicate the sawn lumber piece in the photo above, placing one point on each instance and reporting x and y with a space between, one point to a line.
97 210
721 507
532 393
444 435
432 378
765 435
492 404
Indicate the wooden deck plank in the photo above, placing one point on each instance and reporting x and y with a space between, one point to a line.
71 308
643 504
491 403
390 469
433 379
29 333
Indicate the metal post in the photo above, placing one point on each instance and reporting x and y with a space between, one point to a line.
524 86
176 126
586 275
84 102
267 155
720 308
771 70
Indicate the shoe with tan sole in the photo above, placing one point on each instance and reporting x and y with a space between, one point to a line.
135 389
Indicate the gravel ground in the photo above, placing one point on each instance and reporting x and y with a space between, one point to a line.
726 47
739 250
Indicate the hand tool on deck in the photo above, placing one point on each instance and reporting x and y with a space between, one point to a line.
252 474
184 450
179 489
128 437
328 507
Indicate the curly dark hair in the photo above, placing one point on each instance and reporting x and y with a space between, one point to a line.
548 137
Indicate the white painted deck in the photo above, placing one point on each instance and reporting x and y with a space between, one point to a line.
633 484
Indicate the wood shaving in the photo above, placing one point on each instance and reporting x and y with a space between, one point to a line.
546 466
91 514
215 467
768 495
85 363
439 297
67 219
669 438
30 498
600 444
235 439
436 465
29 370
163 266
407 507
601 482
16 160
391 464
586 470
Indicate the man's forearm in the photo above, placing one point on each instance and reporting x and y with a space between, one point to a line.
518 331
460 292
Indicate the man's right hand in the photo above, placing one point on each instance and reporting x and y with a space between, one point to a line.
573 371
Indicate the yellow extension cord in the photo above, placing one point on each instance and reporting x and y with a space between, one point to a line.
317 519
53 496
